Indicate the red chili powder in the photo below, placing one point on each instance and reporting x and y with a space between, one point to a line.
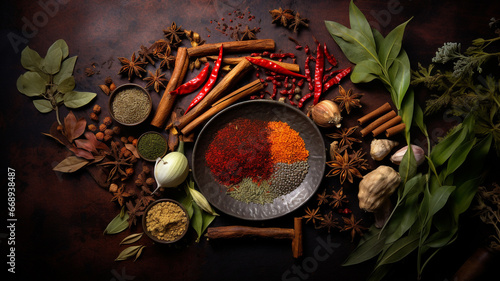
240 150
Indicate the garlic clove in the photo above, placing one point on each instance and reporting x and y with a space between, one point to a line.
326 114
380 148
418 152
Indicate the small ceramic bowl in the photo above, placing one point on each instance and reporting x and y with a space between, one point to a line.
126 117
145 157
153 237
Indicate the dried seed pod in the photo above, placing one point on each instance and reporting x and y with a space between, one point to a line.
105 89
380 148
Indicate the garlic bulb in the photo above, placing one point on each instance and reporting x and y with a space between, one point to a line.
326 114
172 169
380 148
418 152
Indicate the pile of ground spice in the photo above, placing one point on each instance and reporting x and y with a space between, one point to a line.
257 160
166 221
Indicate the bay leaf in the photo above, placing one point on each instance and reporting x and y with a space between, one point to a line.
406 112
369 247
74 128
366 71
399 250
441 238
133 149
459 156
44 106
67 67
132 238
445 148
418 119
82 153
67 85
52 62
71 164
139 253
207 220
31 84
130 252
391 46
400 76
85 144
359 23
30 59
201 201
408 166
197 221
76 99
61 45
118 224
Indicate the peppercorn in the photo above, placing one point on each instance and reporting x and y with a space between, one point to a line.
108 132
102 127
107 120
150 181
92 127
94 117
116 130
99 136
96 109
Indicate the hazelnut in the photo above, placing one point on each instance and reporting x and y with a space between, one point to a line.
108 132
92 127
94 117
107 120
96 109
99 136
102 127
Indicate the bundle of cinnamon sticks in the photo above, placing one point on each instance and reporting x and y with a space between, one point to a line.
386 121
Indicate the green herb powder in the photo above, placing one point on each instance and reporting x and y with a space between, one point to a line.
151 146
130 106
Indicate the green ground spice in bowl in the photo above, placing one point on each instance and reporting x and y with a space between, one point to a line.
151 145
130 104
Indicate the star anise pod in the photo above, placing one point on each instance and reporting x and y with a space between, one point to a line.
174 34
120 195
144 199
329 222
338 197
161 46
134 211
146 55
345 136
312 215
360 161
156 80
281 16
298 22
354 226
348 100
166 60
343 166
322 198
132 66
249 34
118 163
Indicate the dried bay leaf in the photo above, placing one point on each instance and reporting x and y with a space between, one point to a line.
61 45
132 238
30 59
67 67
118 224
44 106
31 84
130 252
67 85
75 99
52 61
71 164
85 144
133 149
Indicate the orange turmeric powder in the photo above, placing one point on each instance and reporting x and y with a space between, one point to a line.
286 144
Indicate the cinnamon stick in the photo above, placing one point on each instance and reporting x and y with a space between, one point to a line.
167 100
297 239
223 103
225 84
232 47
375 124
393 122
290 66
395 130
238 231
376 113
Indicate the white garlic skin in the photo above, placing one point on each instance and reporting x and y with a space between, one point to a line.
418 152
380 148
376 187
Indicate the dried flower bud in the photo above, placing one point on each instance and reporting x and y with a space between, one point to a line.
150 181
92 127
108 132
99 136
113 187
94 117
105 89
107 120
102 127
116 130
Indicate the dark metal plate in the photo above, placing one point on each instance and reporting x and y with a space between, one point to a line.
268 111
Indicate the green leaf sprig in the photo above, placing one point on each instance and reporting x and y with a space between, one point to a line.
49 81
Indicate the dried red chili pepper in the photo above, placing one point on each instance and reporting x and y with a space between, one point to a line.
307 71
273 67
282 56
318 74
210 83
330 58
337 78
192 84
330 74
303 99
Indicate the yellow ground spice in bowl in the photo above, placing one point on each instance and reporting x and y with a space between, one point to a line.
286 144
166 221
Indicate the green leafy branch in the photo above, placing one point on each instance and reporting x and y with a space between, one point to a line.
50 80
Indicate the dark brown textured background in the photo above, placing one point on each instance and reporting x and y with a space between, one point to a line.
61 217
